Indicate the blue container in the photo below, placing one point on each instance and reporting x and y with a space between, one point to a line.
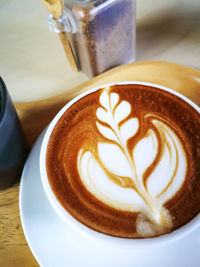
13 146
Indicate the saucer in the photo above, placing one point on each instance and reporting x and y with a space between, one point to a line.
53 243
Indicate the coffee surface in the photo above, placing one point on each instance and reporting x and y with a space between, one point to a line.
124 161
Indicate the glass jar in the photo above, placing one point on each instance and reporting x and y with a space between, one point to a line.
101 33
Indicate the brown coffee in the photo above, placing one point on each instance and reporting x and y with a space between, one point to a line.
124 160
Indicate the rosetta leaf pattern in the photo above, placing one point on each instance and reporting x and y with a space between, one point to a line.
112 113
149 170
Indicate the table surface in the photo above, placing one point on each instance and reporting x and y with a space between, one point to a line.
33 63
34 70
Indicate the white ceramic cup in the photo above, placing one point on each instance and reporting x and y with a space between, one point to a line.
181 232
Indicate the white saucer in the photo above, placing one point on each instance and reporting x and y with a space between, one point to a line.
54 244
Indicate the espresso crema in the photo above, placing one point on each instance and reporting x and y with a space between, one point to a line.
125 161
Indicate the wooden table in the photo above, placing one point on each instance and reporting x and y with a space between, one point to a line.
13 246
166 31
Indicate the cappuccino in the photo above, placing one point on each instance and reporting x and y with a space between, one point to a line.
124 161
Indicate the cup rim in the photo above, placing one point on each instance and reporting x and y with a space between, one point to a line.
175 235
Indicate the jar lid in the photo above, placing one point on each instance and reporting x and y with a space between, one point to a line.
66 23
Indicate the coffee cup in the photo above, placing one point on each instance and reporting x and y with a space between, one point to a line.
119 163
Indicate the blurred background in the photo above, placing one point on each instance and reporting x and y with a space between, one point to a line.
33 63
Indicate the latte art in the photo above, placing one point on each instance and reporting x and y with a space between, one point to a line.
136 178
124 161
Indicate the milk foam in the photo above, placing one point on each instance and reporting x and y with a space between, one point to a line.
141 180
